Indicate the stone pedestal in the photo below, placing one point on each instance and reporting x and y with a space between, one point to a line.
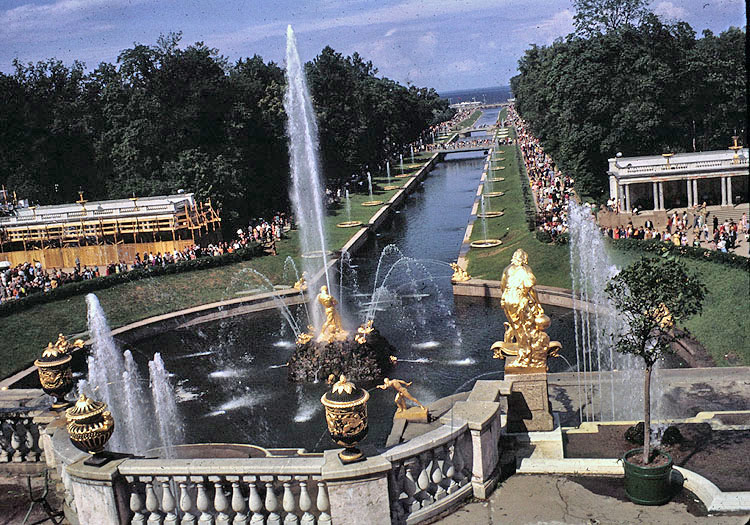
528 403
415 414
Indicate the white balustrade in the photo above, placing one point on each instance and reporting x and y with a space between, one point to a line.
225 499
19 439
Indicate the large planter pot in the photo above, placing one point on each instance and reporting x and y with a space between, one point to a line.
647 485
346 415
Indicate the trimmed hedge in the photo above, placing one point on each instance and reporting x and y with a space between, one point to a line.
692 252
82 287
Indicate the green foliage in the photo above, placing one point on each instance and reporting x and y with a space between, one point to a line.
594 16
639 90
652 294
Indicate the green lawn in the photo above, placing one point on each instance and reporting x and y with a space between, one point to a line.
550 263
468 121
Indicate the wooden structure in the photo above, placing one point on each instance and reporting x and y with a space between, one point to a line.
103 232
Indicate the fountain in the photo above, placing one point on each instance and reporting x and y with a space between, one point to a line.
307 189
371 202
349 223
609 392
113 378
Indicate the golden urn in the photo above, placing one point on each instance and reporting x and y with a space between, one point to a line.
346 416
55 374
90 425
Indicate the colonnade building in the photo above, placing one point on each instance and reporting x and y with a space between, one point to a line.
680 180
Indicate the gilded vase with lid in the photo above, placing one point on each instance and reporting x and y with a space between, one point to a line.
346 416
55 374
90 425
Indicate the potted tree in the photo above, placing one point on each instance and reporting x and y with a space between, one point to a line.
652 294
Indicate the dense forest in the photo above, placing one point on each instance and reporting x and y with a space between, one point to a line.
166 117
634 84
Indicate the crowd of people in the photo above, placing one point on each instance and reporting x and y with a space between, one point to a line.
440 146
552 189
30 277
683 229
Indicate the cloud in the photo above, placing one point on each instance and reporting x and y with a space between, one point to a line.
669 10
391 32
463 66
547 30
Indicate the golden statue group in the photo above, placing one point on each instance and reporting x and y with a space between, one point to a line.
525 335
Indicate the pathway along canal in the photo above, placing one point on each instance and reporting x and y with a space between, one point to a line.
230 374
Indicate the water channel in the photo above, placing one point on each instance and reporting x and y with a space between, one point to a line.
230 375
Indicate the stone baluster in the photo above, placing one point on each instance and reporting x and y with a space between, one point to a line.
152 503
4 441
239 504
36 448
70 499
289 505
203 503
17 440
324 506
272 505
136 506
221 503
305 504
410 485
186 504
423 481
459 464
168 503
438 463
449 469
255 503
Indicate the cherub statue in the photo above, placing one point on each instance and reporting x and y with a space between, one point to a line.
459 274
363 331
401 392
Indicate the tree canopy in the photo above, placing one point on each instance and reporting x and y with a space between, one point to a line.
166 117
637 89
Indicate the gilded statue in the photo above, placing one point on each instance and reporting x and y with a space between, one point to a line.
64 346
525 334
331 329
401 393
459 274
301 285
363 331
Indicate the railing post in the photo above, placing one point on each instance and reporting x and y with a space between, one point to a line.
101 493
358 493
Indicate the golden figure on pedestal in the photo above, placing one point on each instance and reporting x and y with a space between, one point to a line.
301 285
363 331
402 394
525 334
459 274
331 329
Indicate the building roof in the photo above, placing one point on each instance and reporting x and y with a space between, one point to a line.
111 209
679 165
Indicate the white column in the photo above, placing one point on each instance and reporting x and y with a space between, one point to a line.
655 189
689 194
661 195
696 200
729 191
627 197
723 191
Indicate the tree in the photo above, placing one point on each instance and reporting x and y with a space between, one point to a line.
653 294
602 16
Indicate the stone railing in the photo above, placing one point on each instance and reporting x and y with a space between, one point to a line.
20 436
430 473
224 491
406 484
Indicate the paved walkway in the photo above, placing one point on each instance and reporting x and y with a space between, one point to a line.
525 499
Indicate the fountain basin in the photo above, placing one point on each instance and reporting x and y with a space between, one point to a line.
210 450
349 224
497 179
372 203
391 187
494 194
403 176
498 168
486 243
316 254
490 214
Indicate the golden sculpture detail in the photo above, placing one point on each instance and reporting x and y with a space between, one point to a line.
346 417
402 394
459 274
55 373
525 334
90 425
736 148
301 285
331 329
363 331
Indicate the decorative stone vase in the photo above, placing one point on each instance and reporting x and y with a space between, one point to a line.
90 425
346 416
647 484
55 374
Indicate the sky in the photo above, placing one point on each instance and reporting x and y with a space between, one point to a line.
445 44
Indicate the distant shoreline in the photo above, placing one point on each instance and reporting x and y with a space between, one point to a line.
489 95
